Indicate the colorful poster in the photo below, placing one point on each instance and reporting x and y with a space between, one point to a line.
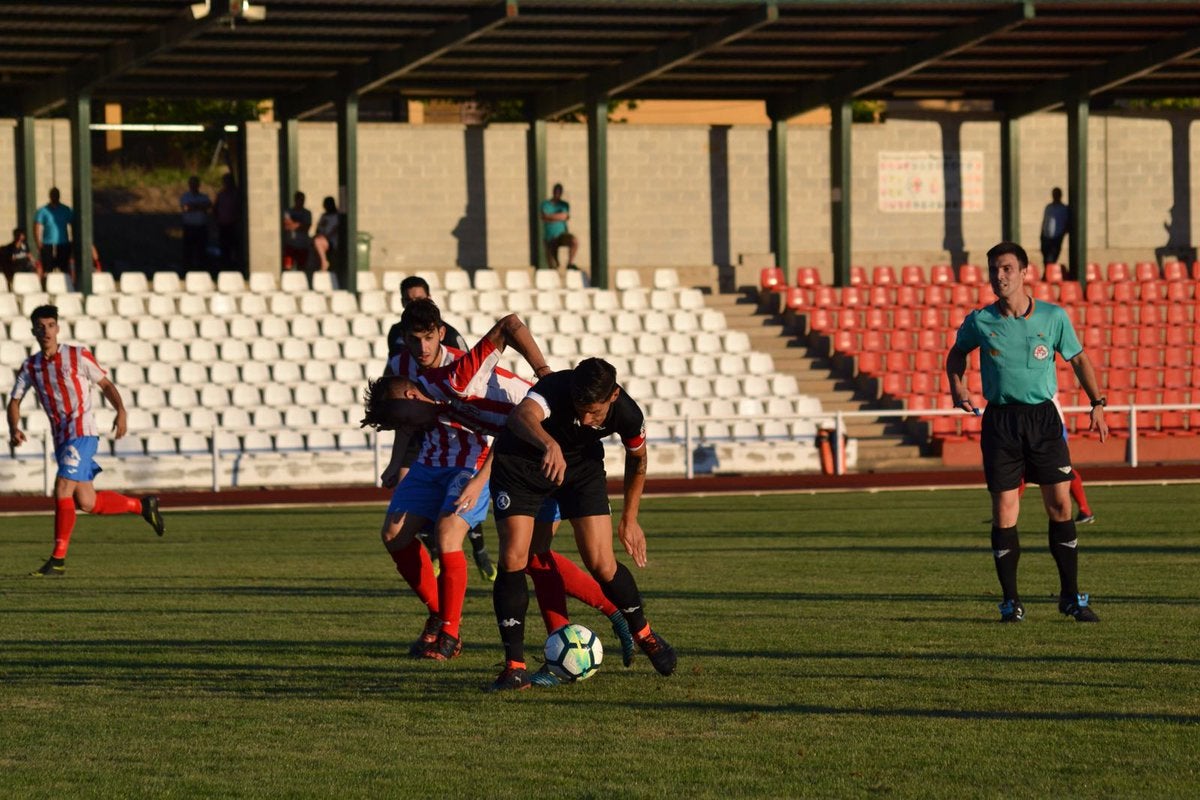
929 180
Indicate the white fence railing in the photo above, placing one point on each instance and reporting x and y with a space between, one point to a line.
689 441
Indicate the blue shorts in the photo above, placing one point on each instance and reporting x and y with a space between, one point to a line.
430 492
549 511
77 458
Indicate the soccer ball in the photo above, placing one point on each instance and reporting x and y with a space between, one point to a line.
573 652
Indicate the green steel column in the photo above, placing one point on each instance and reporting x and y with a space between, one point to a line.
777 168
80 109
26 175
597 111
289 162
1010 180
1077 167
348 191
839 190
535 168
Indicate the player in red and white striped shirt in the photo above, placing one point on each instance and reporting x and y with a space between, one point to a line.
62 376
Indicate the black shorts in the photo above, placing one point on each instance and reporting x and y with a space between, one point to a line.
1024 441
56 256
519 488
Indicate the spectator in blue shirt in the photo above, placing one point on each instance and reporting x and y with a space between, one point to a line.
194 205
53 226
1056 223
555 213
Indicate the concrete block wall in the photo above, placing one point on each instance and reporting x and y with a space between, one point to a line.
264 216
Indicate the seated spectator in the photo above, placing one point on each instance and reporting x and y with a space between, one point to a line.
327 233
297 221
15 257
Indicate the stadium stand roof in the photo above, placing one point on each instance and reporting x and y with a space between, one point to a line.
797 54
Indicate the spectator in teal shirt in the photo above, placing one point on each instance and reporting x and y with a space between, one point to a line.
51 235
555 213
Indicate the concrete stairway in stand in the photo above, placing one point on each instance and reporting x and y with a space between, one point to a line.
884 445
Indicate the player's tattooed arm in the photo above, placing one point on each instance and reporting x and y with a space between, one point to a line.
511 331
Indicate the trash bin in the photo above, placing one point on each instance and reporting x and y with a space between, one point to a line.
363 251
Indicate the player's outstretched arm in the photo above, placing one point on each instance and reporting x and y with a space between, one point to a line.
1086 376
113 396
956 369
15 435
629 530
510 331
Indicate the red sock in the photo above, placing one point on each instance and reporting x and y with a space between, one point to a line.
64 523
1078 494
1021 489
580 584
414 566
113 503
548 586
452 590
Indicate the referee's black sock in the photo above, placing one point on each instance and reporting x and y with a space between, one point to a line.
1066 557
1006 551
510 599
623 593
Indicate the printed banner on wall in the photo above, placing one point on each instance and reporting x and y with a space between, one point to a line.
929 180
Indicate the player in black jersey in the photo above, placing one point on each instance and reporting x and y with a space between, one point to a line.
412 288
553 447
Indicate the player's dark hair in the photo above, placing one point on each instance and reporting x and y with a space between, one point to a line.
1004 249
412 282
420 316
43 312
592 381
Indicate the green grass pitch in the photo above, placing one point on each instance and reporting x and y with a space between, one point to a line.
832 645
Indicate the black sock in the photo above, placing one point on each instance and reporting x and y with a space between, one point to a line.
510 599
1006 551
1062 547
623 593
476 537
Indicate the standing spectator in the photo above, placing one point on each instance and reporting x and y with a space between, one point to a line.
1056 224
53 227
555 213
327 233
1022 429
195 205
228 211
62 376
14 256
297 221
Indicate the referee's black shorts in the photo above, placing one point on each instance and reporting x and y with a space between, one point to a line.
1024 441
519 488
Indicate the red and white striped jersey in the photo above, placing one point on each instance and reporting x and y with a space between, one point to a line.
449 443
63 384
477 393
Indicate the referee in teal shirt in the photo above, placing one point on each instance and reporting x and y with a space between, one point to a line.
1022 426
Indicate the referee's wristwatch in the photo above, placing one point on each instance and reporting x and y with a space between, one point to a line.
1100 402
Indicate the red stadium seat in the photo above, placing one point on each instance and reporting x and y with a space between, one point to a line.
1152 291
941 273
1069 293
1124 292
1118 271
912 275
921 382
908 295
945 426
986 294
1196 270
849 319
884 275
1119 358
970 273
1178 291
1151 314
1178 336
895 361
869 363
808 276
874 341
936 295
931 340
1149 356
1093 272
1043 291
854 296
972 426
904 319
1032 274
858 276
918 401
962 295
1098 292
894 384
797 298
1147 378
1172 421
1174 377
1145 271
1175 271
927 362
1177 314
1121 337
1094 338
826 297
877 319
1121 316
845 342
771 279
1118 379
903 341
821 319
881 296
931 318
1053 273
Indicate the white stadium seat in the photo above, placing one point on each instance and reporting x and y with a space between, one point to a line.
87 331
322 350
56 282
202 351
130 445
163 306
230 282
316 372
252 305
266 417
546 279
390 282
192 443
170 419
307 395
181 330
454 281
118 329
286 372
139 352
573 279
313 303
165 283
486 280
294 417
264 350
366 281
222 305
243 327
331 327
245 396
196 282
666 279
344 303
103 283
290 441
374 303
212 397
257 441
134 283
281 305
234 351
183 397
219 373
627 279
171 352
690 299
712 320
204 418
212 328
256 373
293 281
303 327
324 282
354 350
737 342
635 299
264 282
329 417
96 306
151 329
149 398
